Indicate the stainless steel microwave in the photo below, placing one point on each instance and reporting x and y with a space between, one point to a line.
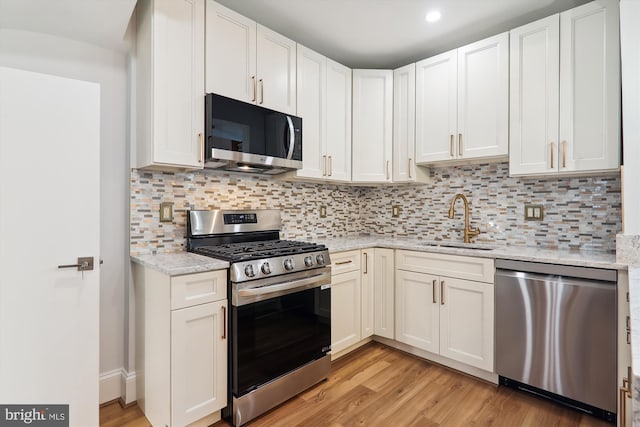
243 137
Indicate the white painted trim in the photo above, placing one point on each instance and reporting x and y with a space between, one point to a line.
118 384
128 387
110 385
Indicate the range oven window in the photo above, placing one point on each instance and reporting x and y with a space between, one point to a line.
278 335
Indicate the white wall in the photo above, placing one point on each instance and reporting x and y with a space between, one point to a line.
63 57
630 51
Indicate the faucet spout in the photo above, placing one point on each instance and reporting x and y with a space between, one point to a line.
468 230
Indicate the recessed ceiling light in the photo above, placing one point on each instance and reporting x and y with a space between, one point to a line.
433 16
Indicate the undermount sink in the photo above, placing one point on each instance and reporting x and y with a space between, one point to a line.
458 245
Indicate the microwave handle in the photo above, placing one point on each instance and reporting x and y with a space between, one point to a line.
292 138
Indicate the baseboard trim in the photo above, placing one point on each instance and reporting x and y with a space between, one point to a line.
118 385
110 386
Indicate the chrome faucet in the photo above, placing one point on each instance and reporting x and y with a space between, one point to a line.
468 231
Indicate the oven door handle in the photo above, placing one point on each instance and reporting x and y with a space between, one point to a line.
300 284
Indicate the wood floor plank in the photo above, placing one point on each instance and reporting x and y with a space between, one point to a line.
377 386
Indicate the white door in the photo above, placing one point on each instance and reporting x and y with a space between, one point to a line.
590 87
198 361
534 97
483 98
230 53
276 64
338 121
49 216
466 322
384 292
311 104
345 310
417 310
372 125
367 293
404 123
436 107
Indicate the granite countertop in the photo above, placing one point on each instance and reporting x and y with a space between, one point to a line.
520 253
179 263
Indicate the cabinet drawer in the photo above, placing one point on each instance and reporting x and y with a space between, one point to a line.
462 267
343 262
200 288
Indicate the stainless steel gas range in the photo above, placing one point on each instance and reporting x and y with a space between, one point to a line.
280 298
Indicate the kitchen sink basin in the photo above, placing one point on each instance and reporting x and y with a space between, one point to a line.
459 245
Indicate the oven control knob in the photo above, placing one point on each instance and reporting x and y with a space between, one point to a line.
266 268
308 261
320 259
288 264
248 270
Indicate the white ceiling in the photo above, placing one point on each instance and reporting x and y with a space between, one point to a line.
391 33
99 22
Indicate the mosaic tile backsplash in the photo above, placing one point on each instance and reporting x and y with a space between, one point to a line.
579 213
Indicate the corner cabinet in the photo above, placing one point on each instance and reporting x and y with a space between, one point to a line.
462 103
249 62
170 84
565 92
324 103
181 346
404 127
372 126
445 305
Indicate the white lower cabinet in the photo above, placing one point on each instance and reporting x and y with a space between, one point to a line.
439 310
181 347
384 292
345 310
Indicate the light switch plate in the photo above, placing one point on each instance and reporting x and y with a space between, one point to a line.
533 212
395 211
166 212
323 211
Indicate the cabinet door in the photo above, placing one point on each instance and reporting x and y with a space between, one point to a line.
345 310
590 87
311 104
483 98
417 310
367 293
338 121
230 53
276 71
534 97
198 362
178 85
466 322
404 123
384 292
372 125
436 108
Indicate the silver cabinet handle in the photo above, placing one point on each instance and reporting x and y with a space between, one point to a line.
261 91
388 172
553 148
255 88
201 145
410 167
460 144
452 146
442 292
324 165
564 154
83 264
366 261
344 262
330 165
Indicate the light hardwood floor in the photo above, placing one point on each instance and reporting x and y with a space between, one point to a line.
379 386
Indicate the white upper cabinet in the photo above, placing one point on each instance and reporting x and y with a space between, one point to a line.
338 115
249 62
233 37
404 127
324 103
565 92
372 125
170 84
462 102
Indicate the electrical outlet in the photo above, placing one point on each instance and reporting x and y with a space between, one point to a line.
323 211
533 212
395 211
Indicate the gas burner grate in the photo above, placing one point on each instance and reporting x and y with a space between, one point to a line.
246 251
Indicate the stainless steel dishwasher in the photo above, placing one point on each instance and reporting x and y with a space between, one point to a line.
556 333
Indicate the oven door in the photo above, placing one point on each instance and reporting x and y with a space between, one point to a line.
278 328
